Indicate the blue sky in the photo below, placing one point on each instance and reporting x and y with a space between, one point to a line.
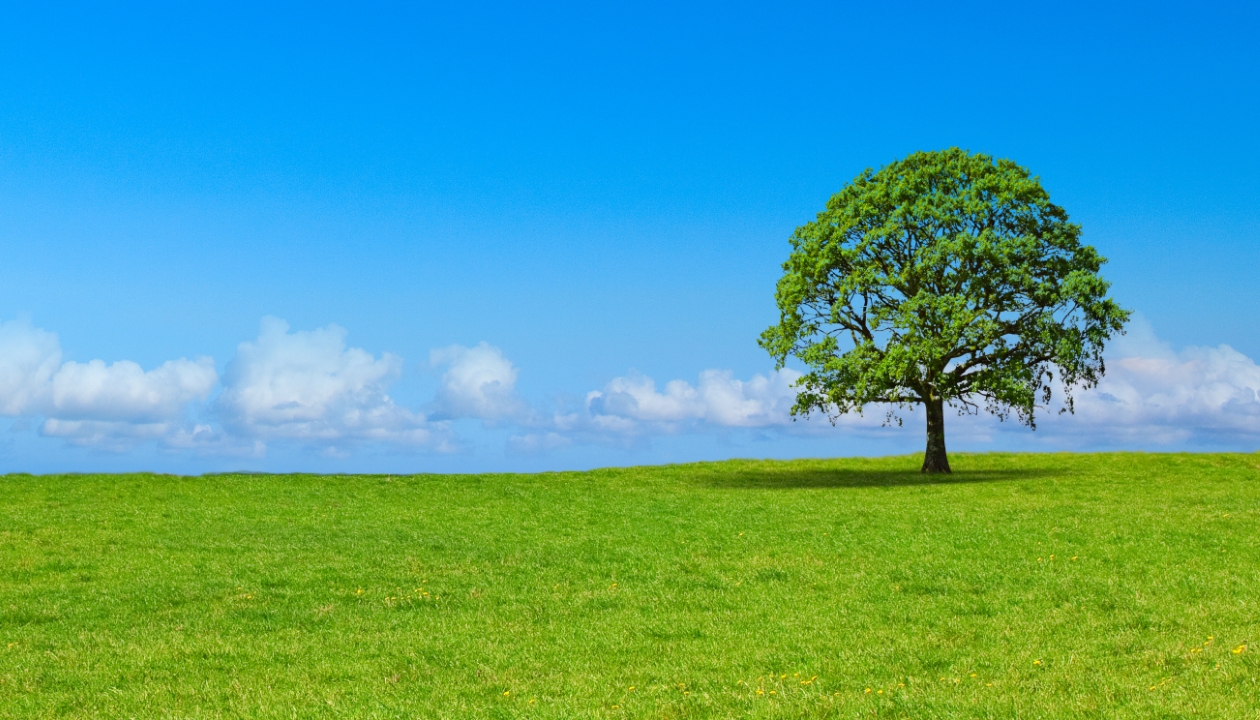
600 195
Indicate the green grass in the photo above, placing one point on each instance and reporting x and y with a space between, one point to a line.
1063 586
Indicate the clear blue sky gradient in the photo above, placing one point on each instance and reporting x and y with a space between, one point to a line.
591 189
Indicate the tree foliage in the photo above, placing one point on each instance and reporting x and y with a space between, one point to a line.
947 277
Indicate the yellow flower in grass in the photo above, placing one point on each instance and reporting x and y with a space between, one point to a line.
1239 650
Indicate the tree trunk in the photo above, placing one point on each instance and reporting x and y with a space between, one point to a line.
935 460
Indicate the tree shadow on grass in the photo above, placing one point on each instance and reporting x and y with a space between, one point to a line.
855 478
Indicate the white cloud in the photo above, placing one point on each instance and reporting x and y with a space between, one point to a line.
530 443
1151 396
102 434
109 406
29 357
124 392
1154 395
479 383
633 405
308 386
207 439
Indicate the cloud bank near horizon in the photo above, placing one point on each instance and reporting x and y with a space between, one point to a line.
111 406
309 389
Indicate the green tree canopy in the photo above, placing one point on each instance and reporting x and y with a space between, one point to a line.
946 278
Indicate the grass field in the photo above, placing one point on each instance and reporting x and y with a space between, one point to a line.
1103 586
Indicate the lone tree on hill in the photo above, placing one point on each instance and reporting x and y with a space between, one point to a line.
946 278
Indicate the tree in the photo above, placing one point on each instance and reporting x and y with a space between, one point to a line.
946 278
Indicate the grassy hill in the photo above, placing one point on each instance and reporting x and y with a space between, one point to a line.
1061 586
